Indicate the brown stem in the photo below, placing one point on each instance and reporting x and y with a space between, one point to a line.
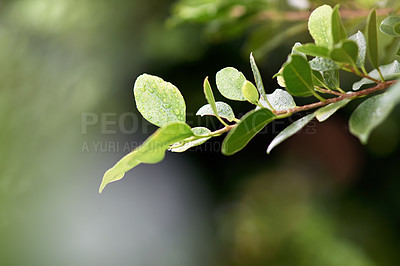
364 75
380 86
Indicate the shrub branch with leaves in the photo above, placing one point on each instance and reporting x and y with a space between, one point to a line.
310 70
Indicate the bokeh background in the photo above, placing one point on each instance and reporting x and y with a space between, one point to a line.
67 114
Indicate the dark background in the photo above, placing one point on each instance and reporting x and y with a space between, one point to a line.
320 198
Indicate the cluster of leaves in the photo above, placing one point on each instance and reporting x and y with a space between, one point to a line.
267 24
310 70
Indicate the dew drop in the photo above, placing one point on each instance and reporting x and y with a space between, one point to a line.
151 89
142 89
166 105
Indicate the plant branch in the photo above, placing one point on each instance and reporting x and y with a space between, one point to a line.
351 69
378 87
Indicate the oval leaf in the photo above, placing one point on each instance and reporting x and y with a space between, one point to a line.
373 112
230 82
223 110
151 151
297 76
325 112
290 131
159 101
250 124
191 141
372 39
323 64
345 52
391 26
359 39
313 50
250 92
281 100
390 71
320 26
338 31
331 79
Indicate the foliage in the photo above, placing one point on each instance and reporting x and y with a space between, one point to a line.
310 70
267 24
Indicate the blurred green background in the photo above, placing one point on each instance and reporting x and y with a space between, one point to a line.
67 114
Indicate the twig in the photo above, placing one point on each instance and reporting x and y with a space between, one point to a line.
380 86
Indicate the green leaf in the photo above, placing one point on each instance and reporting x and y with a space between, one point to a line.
151 151
250 124
325 112
250 92
191 141
390 71
230 82
391 26
290 131
359 38
331 79
223 110
294 50
210 99
373 112
320 26
318 80
280 100
257 76
297 76
338 31
372 39
313 50
158 101
345 52
323 64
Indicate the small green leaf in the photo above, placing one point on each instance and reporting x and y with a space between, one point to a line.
359 38
257 76
280 100
338 31
279 78
372 39
297 76
313 50
323 64
223 110
191 141
230 82
250 124
151 151
331 79
391 26
325 112
210 99
250 92
345 52
320 26
290 131
158 101
294 50
318 80
373 112
390 71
